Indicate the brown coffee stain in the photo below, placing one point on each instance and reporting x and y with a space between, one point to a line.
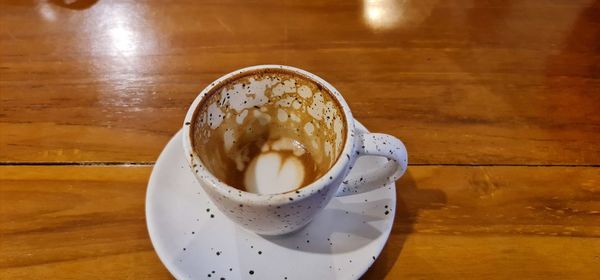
235 120
311 170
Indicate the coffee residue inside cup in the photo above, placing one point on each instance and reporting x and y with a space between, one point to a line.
268 132
281 165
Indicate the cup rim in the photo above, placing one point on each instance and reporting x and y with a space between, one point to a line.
203 174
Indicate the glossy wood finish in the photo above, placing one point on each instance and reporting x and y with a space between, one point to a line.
81 222
498 103
511 82
452 223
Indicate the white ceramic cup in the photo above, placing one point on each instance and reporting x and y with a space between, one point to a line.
276 214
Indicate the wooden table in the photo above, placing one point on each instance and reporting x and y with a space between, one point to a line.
498 103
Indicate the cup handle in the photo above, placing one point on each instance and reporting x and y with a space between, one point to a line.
376 144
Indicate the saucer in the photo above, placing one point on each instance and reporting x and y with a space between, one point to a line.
196 241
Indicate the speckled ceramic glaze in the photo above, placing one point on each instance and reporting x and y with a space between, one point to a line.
195 240
276 214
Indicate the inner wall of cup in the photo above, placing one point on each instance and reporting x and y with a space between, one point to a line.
263 106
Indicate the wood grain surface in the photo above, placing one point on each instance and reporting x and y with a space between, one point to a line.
451 222
511 82
498 103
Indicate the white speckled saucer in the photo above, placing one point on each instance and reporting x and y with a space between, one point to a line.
195 241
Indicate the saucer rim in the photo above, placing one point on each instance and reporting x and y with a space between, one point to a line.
177 273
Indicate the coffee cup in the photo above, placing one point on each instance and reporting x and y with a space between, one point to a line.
271 145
